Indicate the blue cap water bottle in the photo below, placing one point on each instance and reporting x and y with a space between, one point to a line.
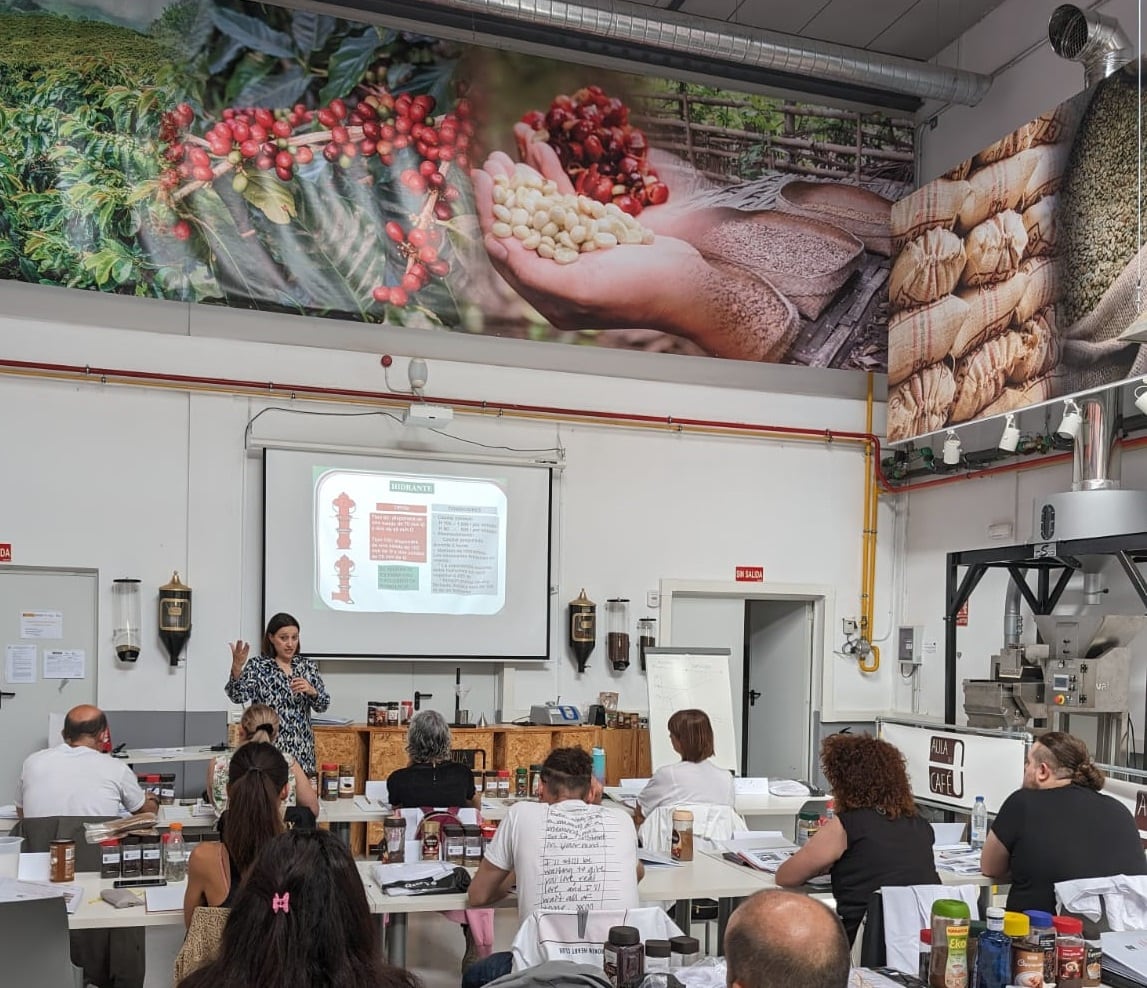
599 764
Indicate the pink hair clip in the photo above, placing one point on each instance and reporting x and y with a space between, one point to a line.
281 903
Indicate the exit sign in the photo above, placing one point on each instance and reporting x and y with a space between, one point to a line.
5 552
750 574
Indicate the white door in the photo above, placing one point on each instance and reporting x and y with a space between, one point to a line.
30 599
778 688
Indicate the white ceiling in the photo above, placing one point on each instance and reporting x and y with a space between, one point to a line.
912 28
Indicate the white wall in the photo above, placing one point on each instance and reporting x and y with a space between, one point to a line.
1037 82
138 482
956 517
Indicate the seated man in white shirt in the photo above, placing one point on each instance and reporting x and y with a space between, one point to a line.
76 778
534 845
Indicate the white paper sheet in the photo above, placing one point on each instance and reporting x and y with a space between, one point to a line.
633 785
751 787
20 664
948 833
376 790
656 858
65 663
14 890
787 787
35 866
165 898
41 624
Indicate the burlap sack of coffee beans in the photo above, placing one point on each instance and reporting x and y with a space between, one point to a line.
923 336
937 204
1040 226
1013 399
1034 348
1043 287
980 378
990 312
921 404
1050 165
1050 128
994 249
927 269
995 188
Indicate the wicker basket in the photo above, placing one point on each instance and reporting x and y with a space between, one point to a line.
811 294
856 210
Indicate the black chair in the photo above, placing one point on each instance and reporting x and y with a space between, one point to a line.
872 950
468 757
35 945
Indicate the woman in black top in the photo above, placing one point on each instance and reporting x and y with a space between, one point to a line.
432 779
876 838
1059 826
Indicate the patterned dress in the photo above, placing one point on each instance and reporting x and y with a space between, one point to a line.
262 681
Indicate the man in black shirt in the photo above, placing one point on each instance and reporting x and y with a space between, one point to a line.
1059 827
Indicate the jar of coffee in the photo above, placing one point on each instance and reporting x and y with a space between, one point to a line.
167 789
130 856
62 860
109 859
346 781
521 782
472 835
535 779
394 839
503 783
479 782
150 856
455 844
623 958
329 782
682 842
431 841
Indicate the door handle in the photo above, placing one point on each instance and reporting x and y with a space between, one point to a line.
5 695
754 696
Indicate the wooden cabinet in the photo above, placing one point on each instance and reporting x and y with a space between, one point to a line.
375 752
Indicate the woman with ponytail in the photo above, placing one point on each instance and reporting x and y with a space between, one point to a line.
1059 827
256 789
260 723
301 920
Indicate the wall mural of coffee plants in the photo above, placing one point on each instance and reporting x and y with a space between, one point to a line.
248 155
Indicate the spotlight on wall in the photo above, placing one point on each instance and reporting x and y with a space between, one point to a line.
1071 422
952 449
1011 435
1141 396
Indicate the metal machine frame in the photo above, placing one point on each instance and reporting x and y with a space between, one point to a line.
1047 559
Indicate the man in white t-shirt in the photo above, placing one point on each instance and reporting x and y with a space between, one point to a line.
76 778
562 852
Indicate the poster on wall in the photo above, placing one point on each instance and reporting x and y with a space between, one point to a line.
1014 279
246 155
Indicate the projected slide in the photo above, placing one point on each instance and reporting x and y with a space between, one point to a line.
409 544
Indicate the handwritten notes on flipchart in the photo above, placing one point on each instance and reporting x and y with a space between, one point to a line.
578 866
681 679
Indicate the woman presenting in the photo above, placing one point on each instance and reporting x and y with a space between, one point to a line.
285 681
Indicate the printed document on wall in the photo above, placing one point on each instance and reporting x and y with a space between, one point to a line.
41 624
65 663
20 664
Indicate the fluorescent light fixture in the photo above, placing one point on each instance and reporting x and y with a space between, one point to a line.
1071 422
1011 435
952 449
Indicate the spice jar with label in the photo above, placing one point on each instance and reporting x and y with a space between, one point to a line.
1027 957
1042 935
684 951
808 823
109 858
948 913
167 789
150 856
394 839
535 780
62 860
129 852
472 835
479 782
504 783
521 782
623 958
681 846
329 782
656 956
346 781
491 785
454 844
431 840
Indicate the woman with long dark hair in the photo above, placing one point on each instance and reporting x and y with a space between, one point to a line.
285 680
256 789
876 838
301 920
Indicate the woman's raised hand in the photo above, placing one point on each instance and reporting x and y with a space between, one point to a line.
239 652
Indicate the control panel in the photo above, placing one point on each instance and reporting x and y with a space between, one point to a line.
1086 685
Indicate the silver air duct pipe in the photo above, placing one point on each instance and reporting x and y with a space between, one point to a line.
1013 618
703 38
1097 460
1085 36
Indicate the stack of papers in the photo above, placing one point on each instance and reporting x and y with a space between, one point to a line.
771 858
787 787
331 720
958 858
8 812
1125 955
751 787
165 898
13 890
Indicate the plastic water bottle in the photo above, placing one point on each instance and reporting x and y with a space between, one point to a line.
174 854
979 824
599 765
994 956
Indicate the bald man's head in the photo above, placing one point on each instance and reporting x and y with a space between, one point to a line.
784 938
84 725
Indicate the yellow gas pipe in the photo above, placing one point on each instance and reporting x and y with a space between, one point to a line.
868 548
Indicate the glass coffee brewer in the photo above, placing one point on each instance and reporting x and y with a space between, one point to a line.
646 637
126 615
617 632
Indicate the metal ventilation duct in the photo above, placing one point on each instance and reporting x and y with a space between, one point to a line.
1085 36
697 39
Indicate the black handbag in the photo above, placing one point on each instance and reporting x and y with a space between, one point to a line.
458 880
